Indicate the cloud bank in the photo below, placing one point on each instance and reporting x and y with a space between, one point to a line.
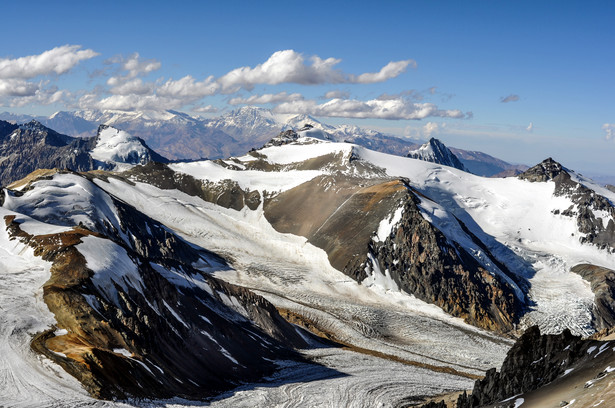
130 86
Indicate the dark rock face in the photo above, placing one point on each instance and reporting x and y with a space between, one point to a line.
534 361
32 146
417 255
423 262
598 231
285 137
227 194
603 285
436 152
167 329
6 128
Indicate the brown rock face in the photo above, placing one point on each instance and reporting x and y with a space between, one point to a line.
341 215
175 332
423 262
603 285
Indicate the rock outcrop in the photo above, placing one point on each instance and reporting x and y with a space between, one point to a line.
436 152
603 285
595 229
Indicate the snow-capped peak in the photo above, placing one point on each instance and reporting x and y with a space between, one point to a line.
435 151
119 147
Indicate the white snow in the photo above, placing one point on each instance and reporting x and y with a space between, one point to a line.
294 275
519 402
65 200
118 147
247 179
111 266
123 352
386 225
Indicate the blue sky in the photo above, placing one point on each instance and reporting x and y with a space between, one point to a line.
518 80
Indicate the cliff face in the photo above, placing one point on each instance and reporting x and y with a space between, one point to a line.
135 317
531 363
422 261
343 216
603 285
547 370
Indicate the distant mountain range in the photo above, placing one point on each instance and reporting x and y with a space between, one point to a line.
32 146
179 136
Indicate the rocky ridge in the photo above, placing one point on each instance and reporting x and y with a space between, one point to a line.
594 213
157 325
32 146
435 151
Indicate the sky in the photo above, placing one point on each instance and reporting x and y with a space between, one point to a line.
518 80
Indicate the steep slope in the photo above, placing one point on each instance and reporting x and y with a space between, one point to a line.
435 151
594 213
532 255
330 187
32 146
547 371
136 314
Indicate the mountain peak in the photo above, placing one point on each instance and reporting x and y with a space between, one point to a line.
546 170
435 151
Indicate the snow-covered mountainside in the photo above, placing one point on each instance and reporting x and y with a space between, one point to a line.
32 146
170 272
532 256
135 310
436 152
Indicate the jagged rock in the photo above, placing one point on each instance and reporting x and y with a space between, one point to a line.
285 137
423 262
597 231
603 285
436 152
534 361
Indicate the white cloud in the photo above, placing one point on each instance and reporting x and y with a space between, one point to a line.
134 86
205 109
609 128
509 98
530 127
390 70
393 109
188 88
432 128
133 66
337 94
266 98
58 61
289 66
130 103
42 96
17 87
